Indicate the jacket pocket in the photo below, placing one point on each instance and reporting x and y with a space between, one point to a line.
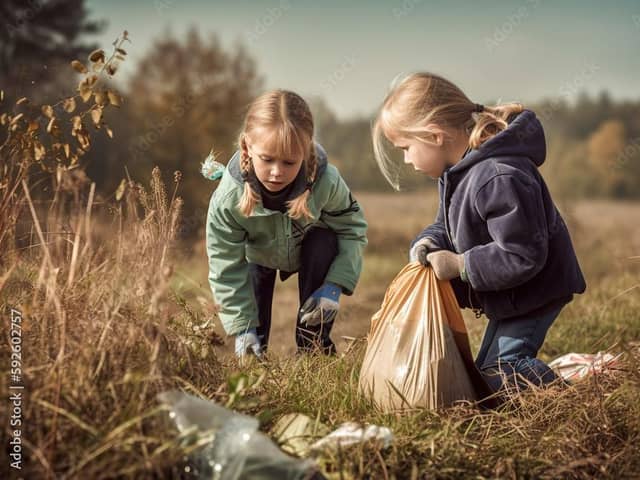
265 254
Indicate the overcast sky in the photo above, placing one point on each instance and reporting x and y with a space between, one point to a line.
349 52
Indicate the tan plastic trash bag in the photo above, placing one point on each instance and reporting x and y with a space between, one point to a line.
413 356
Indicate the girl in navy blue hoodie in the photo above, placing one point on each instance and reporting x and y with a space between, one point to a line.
497 235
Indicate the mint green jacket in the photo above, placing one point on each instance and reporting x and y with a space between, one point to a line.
273 239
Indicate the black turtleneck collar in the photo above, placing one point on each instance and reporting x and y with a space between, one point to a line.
275 200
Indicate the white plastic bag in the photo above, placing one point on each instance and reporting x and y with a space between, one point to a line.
576 366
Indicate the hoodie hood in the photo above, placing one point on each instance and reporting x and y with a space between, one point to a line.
299 183
523 137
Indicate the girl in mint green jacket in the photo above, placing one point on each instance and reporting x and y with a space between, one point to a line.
281 206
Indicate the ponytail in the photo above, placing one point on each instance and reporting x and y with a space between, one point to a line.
490 121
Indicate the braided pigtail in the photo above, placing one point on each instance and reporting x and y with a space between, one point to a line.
298 207
250 197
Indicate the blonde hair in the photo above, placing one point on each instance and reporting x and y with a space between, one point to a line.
289 118
421 99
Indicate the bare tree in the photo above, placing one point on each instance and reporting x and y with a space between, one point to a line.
185 97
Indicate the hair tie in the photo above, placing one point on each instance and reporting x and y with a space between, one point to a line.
479 108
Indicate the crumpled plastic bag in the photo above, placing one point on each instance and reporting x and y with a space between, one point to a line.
298 434
576 366
232 447
351 433
418 352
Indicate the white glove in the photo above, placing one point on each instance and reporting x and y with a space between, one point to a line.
248 342
421 249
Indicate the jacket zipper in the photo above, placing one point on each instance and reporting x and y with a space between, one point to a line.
445 212
477 311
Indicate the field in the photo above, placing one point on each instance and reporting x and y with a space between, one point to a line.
604 236
136 319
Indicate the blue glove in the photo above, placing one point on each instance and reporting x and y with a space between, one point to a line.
248 342
322 306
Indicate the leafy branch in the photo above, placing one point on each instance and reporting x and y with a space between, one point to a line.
36 134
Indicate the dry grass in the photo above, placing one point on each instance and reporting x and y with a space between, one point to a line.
100 339
587 431
135 319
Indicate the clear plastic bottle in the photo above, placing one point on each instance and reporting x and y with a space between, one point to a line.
232 447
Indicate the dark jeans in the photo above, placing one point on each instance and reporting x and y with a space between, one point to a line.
319 249
507 356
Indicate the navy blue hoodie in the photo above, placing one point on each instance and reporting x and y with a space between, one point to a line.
496 209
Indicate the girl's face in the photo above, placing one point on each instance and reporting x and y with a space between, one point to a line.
428 158
274 172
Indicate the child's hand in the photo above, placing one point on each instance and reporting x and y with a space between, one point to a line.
446 265
421 249
322 306
248 342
